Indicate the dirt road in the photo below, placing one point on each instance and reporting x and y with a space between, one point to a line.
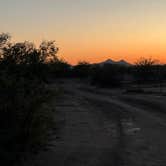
107 129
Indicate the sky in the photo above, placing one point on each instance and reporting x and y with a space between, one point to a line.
90 30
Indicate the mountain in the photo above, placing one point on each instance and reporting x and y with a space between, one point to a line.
110 61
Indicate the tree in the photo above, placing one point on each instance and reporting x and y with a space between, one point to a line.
146 62
19 53
48 51
4 42
4 38
27 53
24 124
146 69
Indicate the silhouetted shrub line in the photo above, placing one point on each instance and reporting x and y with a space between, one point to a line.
144 72
26 119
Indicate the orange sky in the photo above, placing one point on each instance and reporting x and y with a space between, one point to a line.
129 46
90 30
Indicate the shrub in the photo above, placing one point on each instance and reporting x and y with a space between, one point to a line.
24 122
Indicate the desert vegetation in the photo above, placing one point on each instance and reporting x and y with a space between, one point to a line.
144 72
24 122
25 73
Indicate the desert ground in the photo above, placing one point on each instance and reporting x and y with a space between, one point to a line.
106 127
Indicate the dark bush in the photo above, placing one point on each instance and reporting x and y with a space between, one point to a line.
23 120
108 75
82 70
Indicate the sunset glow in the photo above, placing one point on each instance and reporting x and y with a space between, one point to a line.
90 30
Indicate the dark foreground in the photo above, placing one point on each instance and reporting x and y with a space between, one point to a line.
106 128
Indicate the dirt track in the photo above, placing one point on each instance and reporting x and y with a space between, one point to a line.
107 129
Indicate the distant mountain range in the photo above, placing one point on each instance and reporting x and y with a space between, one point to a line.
110 61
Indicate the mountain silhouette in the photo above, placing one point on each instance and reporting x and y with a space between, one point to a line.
112 62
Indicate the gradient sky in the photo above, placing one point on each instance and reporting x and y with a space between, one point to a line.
91 30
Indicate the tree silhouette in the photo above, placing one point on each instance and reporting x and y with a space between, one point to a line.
48 51
146 70
27 53
23 69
